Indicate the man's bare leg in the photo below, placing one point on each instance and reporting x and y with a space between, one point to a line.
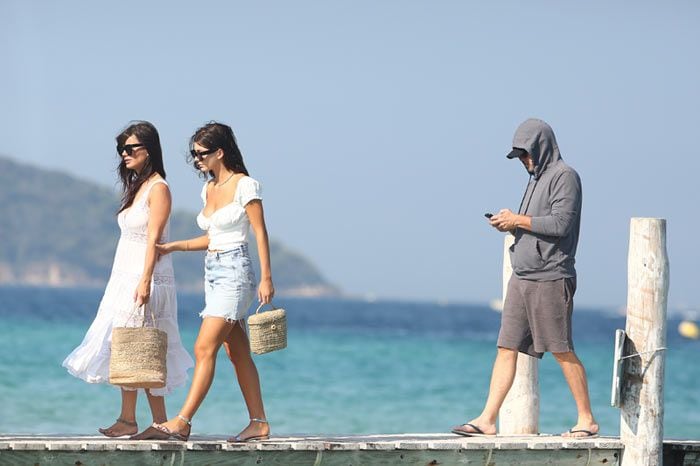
501 380
575 375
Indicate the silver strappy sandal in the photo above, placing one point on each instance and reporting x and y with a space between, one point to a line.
254 438
160 432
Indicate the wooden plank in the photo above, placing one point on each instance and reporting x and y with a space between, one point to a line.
148 458
682 445
691 458
169 446
578 457
681 453
350 442
65 446
27 446
331 458
311 446
404 449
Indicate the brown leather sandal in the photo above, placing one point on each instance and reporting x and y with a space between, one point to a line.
107 432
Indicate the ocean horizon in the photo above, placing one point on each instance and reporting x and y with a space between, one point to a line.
351 367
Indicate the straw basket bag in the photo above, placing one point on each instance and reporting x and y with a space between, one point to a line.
267 330
138 355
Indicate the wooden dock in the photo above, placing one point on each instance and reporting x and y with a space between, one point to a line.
400 449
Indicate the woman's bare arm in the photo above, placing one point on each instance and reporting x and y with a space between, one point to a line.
266 289
159 202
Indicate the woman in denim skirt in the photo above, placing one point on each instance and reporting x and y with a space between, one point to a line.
232 204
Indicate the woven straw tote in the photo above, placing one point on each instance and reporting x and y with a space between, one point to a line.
267 330
137 359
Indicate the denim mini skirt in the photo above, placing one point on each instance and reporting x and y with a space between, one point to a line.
229 283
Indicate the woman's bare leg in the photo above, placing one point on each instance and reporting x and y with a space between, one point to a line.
128 414
212 334
157 404
238 350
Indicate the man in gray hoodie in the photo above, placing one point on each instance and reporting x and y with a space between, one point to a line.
539 302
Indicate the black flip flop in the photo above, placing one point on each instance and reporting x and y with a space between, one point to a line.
588 433
477 431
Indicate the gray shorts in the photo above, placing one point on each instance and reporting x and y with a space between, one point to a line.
537 316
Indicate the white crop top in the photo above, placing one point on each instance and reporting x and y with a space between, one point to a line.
228 226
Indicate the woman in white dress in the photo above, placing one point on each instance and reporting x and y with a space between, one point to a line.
137 278
232 204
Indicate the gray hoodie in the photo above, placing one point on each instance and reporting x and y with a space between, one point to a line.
553 200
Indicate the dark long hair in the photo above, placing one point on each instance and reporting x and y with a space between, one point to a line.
216 135
147 135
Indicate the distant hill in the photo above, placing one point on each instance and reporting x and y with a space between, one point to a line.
58 230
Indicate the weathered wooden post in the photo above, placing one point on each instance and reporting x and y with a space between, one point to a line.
642 397
521 409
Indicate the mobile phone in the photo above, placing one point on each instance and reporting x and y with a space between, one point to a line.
488 215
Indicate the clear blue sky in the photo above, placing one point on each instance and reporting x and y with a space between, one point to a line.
379 129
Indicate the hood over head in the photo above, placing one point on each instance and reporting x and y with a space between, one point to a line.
537 139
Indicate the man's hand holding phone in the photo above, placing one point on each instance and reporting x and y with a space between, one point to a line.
505 220
493 220
500 221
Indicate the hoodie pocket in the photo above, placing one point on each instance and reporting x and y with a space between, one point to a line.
551 254
526 255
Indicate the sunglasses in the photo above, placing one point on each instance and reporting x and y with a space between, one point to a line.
128 148
201 155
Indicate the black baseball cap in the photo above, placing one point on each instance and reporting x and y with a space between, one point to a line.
516 153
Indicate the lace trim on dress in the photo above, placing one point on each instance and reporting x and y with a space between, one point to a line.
157 278
138 237
163 280
135 236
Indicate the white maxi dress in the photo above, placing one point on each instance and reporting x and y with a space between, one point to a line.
90 360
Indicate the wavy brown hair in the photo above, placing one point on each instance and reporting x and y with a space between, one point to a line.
215 135
147 135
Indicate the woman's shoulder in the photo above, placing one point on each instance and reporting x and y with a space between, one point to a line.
157 189
248 189
248 181
158 180
249 184
157 184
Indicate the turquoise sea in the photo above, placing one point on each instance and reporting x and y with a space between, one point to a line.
351 367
